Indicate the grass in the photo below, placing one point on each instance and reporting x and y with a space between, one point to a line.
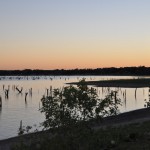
127 137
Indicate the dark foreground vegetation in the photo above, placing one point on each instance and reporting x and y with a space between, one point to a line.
69 114
127 131
127 137
74 120
99 71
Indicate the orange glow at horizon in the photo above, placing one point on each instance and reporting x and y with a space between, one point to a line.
90 54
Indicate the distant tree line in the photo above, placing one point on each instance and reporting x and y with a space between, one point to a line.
141 70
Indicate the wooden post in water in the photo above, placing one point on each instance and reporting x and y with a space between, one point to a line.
51 90
3 87
135 92
26 96
149 93
125 93
125 101
47 92
6 93
21 124
20 129
124 97
115 96
20 91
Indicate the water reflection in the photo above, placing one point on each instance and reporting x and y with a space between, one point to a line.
22 106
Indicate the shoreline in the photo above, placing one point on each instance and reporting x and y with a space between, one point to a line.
122 83
136 116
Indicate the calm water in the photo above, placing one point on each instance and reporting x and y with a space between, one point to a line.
14 109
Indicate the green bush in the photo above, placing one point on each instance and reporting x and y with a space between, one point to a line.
72 104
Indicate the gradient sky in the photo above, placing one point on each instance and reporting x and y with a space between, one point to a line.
51 34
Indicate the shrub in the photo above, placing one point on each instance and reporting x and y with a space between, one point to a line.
72 104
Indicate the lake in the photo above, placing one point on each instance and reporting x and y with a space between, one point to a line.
15 108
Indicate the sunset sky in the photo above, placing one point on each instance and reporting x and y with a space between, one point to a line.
68 34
